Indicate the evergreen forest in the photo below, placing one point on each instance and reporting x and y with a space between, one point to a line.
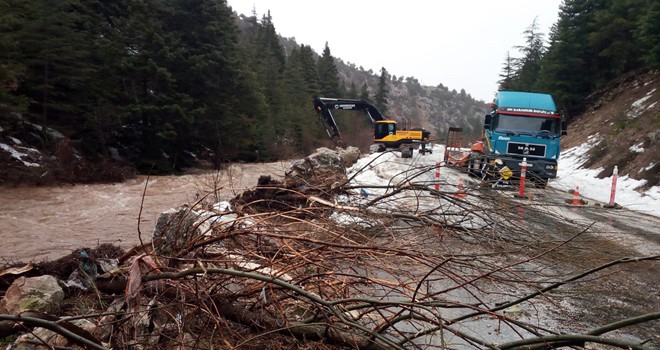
162 84
593 43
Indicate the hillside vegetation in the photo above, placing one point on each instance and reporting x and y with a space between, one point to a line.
163 86
160 87
593 43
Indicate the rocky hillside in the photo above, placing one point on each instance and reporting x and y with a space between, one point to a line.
435 108
622 123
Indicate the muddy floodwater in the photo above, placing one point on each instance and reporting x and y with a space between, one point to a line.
43 223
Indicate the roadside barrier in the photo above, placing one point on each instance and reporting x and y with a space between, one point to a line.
613 204
523 176
437 176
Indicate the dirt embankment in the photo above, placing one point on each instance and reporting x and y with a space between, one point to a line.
625 117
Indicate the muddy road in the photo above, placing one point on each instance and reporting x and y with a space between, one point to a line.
598 237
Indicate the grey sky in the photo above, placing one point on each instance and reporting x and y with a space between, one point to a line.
459 43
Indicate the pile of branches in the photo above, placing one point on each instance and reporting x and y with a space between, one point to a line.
288 271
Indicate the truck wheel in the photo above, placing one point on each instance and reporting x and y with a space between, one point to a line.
474 165
406 152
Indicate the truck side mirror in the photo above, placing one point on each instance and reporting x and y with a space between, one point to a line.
487 121
564 127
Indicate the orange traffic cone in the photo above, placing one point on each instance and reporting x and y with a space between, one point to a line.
461 191
576 197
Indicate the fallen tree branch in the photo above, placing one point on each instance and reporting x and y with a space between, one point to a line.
311 331
553 341
604 329
386 343
52 323
542 291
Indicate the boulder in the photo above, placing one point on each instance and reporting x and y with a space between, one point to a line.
349 155
176 227
41 293
32 340
322 169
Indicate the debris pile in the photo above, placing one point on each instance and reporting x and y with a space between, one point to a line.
321 174
208 276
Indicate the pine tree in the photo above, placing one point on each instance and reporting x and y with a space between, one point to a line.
352 91
566 68
52 54
612 40
380 98
507 76
270 61
328 74
294 77
301 129
648 34
527 68
364 92
310 72
12 69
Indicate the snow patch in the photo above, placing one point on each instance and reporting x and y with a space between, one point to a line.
51 132
637 107
17 155
571 175
637 148
576 156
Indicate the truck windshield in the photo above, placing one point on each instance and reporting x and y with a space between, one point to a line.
529 125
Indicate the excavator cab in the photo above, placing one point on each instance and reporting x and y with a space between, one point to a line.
384 128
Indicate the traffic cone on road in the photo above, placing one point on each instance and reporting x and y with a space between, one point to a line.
577 200
461 191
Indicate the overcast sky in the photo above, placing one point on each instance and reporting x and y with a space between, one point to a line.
459 43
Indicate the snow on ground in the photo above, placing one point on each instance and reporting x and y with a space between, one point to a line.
387 169
383 174
572 175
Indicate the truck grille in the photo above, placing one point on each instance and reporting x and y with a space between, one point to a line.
527 149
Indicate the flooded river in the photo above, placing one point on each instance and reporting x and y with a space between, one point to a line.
43 223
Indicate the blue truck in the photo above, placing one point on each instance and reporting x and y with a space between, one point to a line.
520 125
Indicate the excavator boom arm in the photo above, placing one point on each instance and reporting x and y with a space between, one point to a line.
325 106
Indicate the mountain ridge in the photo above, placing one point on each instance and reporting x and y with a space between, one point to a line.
435 108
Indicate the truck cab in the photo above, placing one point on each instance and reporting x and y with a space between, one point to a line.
524 125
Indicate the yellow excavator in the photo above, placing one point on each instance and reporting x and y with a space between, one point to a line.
386 134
